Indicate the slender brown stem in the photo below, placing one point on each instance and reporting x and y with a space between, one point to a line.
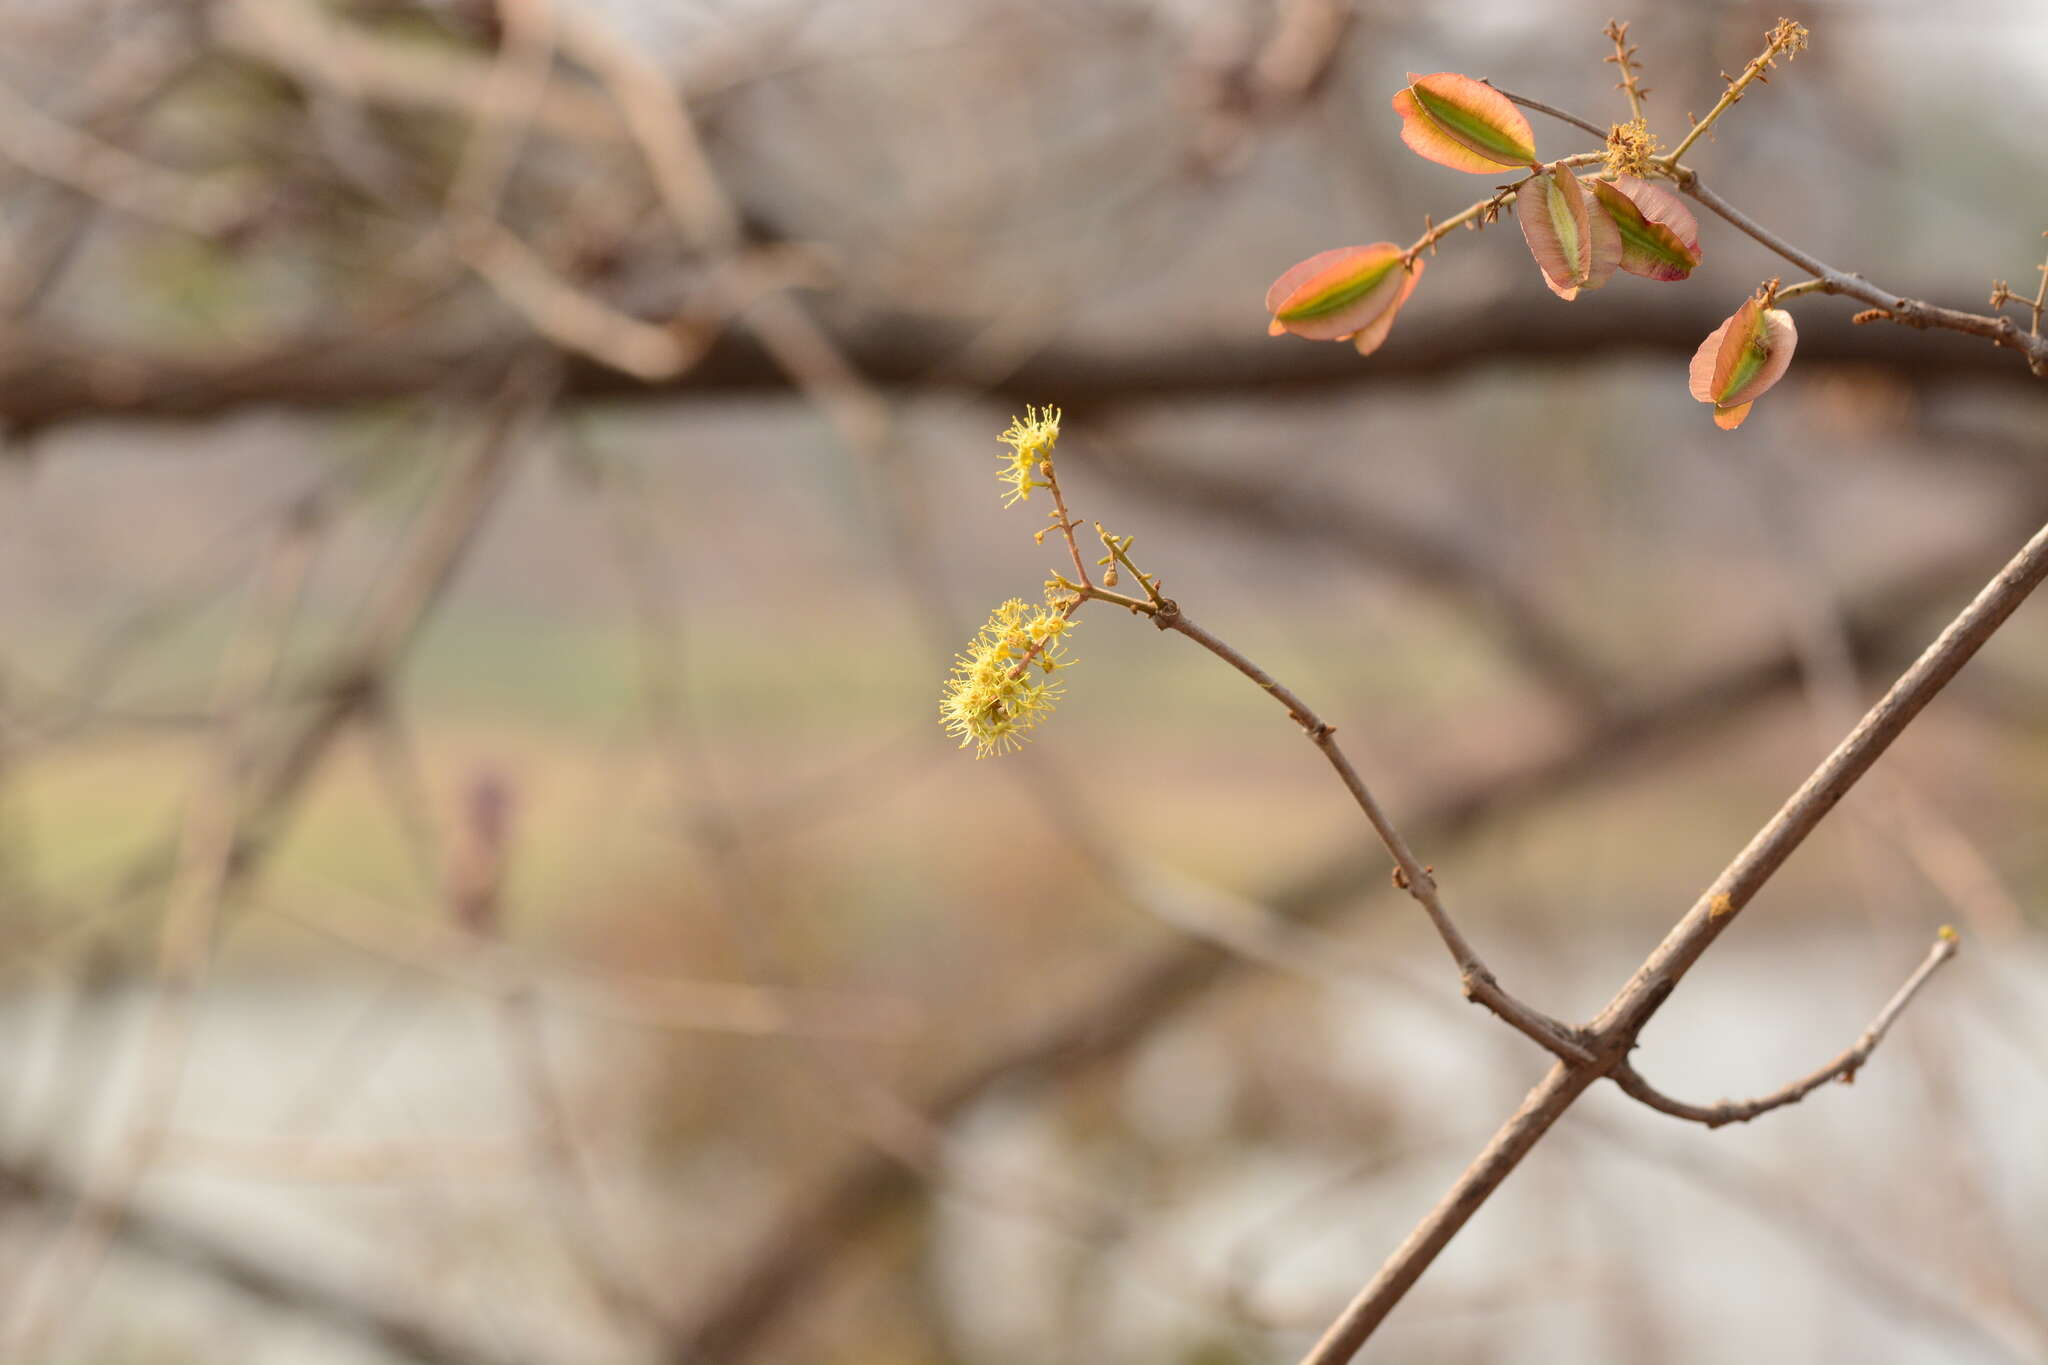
1541 1108
1843 1068
1561 115
400 1326
1066 523
1631 85
1786 38
1477 979
1719 905
2039 303
1884 304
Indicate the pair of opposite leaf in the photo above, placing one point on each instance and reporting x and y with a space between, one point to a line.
1580 233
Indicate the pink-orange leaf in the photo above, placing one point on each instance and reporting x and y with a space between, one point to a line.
1742 358
1465 124
1660 239
1577 246
1368 338
1352 292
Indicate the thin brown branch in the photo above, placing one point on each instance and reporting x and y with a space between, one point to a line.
1624 61
2002 294
302 40
1723 901
1786 40
1614 1031
575 319
55 375
665 1003
124 84
1884 303
1540 1108
562 1166
704 213
201 876
1909 312
572 318
229 830
268 1279
1475 977
207 207
350 676
1561 115
402 602
1843 1068
519 82
1064 519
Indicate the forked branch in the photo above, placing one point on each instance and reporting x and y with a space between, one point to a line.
1885 305
1475 977
1614 1032
1843 1068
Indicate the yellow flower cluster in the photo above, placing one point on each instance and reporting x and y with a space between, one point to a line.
1002 685
1030 440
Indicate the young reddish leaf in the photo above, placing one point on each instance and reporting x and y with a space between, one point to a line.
1368 338
1576 246
1465 124
1660 239
1352 292
1742 358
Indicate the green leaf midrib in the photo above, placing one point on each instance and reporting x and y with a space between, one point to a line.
1469 128
1344 298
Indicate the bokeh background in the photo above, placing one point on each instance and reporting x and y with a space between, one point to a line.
493 488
